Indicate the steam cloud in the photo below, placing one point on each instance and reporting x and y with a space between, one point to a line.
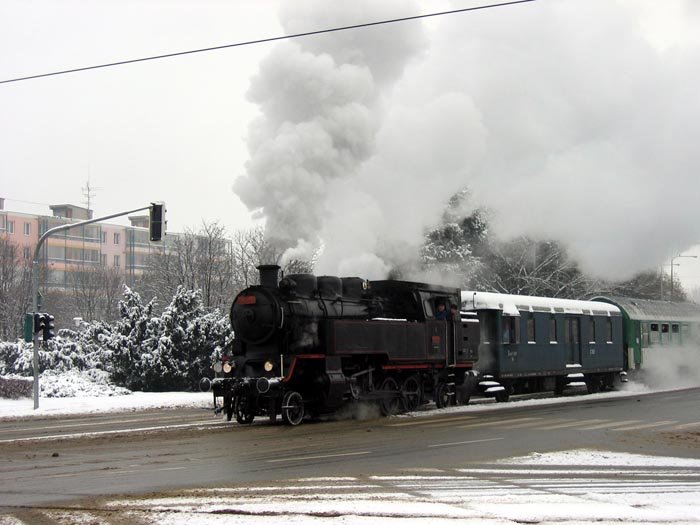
571 120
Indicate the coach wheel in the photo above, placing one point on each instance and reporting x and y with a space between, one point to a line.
292 408
389 402
411 393
503 396
442 396
241 407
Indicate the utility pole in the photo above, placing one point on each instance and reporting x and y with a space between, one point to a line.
156 233
672 265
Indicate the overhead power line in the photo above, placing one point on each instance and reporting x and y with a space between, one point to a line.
265 40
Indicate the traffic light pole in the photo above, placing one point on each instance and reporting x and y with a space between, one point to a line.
35 282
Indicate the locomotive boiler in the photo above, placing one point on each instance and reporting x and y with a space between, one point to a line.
307 345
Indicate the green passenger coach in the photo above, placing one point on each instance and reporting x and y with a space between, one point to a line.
649 326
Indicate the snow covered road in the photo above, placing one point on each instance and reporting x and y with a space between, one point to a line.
579 486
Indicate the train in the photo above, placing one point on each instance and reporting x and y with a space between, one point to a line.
305 346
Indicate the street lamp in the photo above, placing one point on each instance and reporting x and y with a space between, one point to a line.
672 259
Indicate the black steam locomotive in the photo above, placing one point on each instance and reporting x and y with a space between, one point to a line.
307 345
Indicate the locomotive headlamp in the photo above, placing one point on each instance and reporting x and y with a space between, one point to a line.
227 367
269 365
217 367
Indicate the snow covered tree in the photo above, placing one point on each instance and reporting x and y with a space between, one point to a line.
187 336
449 249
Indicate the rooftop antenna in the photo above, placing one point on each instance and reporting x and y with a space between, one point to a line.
89 192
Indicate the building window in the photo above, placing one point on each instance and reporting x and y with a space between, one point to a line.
116 261
531 329
103 237
552 330
116 238
10 226
103 259
27 228
591 330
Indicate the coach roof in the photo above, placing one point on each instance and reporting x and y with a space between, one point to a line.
514 304
651 310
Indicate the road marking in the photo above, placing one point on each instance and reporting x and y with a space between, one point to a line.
465 442
686 425
109 432
646 425
325 456
578 423
613 424
535 421
431 421
87 424
499 422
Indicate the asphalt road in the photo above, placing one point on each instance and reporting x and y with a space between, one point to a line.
58 460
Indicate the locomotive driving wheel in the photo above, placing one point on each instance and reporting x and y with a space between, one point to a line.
443 396
411 393
389 402
292 408
242 409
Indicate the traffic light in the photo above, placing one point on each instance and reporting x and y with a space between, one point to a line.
39 323
49 327
157 221
43 323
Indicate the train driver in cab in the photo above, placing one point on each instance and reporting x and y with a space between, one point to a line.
442 314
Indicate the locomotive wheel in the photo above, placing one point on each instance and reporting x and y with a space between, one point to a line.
292 408
241 407
442 396
411 393
389 402
228 404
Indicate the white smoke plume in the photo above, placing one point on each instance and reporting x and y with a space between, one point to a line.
570 120
321 104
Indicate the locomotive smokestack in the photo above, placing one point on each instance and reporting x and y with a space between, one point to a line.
269 274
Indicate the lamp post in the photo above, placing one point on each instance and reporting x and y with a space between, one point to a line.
672 265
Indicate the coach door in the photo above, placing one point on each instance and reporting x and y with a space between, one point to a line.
572 338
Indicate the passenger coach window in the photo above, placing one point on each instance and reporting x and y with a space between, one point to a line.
531 329
610 334
509 335
591 330
674 328
664 328
552 330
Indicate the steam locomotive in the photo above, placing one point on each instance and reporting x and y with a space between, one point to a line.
307 345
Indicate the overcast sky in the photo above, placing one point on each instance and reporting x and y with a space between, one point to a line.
574 119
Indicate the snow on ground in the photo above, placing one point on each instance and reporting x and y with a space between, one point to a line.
87 404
